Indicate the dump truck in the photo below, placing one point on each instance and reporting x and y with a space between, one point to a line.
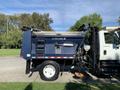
50 53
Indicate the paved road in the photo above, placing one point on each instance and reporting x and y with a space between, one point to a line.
12 69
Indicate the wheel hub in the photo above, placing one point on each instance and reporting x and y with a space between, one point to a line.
49 71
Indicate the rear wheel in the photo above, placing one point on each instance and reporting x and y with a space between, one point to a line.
49 70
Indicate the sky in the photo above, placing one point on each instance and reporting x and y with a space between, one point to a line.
65 12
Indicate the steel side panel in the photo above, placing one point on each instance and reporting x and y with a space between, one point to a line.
26 45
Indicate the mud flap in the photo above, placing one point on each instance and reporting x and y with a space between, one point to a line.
27 67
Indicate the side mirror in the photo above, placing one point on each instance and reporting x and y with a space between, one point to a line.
116 39
117 34
86 48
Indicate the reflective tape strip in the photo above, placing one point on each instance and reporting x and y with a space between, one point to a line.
33 57
65 57
71 57
51 57
46 57
58 57
40 57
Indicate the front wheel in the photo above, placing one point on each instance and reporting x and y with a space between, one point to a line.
49 70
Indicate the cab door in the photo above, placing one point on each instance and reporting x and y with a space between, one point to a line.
108 46
116 47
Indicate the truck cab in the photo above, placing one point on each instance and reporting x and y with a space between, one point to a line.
109 51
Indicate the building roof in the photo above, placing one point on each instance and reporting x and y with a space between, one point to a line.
112 27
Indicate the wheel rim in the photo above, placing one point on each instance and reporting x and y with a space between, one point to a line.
49 71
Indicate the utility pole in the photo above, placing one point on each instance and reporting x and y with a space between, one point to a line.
7 23
6 32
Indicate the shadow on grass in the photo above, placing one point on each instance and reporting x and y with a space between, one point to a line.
29 87
77 86
96 86
103 86
87 83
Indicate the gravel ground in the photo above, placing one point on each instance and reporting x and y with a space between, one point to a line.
12 69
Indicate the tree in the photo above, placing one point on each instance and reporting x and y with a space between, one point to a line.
40 21
92 19
3 21
11 39
10 25
25 19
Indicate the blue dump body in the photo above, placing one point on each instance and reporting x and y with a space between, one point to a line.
49 52
38 46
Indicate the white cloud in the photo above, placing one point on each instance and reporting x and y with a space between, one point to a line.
64 12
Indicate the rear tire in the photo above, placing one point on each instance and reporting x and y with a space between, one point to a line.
49 70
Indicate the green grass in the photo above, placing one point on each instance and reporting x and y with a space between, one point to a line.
58 86
9 52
